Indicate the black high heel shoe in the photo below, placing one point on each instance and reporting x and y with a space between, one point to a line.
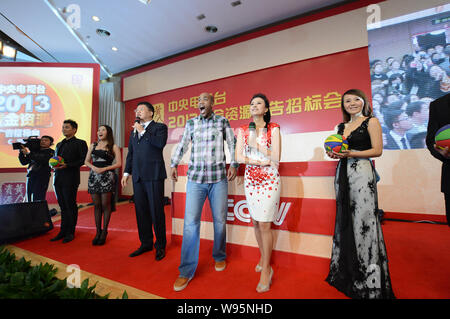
102 238
97 237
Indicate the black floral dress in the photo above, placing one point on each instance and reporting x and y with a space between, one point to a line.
103 182
359 264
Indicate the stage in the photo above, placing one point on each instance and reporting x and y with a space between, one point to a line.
419 259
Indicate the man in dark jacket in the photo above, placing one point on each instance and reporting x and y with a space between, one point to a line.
145 162
439 117
66 179
38 174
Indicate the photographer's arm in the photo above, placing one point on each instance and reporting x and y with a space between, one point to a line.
24 159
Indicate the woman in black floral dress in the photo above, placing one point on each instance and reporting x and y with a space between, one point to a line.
102 178
359 264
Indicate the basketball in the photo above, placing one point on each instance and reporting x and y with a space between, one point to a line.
336 143
55 161
442 137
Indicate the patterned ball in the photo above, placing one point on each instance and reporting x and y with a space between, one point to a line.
442 137
336 143
55 161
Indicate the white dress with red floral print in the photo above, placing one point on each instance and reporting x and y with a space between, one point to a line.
262 183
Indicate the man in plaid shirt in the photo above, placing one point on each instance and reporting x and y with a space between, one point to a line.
207 177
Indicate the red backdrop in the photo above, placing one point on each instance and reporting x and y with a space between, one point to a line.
304 95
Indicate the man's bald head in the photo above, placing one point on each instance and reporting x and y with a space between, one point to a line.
205 104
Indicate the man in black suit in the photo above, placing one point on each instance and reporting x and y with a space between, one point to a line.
440 116
38 174
398 123
145 162
66 179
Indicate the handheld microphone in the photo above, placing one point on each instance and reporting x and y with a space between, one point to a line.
137 120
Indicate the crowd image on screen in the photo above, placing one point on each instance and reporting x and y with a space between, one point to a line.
402 90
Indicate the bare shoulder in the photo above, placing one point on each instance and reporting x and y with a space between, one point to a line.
374 121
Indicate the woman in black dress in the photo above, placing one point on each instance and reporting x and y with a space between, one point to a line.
359 265
102 178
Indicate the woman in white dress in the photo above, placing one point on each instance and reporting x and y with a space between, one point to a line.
259 147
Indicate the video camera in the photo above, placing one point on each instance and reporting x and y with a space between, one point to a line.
32 142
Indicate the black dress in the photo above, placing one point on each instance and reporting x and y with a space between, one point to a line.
359 264
103 182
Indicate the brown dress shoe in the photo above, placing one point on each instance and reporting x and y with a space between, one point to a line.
181 283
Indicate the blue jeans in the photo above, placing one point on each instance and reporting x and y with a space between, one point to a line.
196 194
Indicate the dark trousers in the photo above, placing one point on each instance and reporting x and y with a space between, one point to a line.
37 187
447 207
149 205
67 200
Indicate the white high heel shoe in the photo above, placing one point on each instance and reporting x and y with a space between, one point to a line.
263 288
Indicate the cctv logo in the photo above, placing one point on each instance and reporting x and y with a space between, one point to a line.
240 211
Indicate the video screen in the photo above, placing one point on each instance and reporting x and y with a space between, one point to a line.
410 68
35 100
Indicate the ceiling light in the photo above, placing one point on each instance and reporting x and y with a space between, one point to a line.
114 49
145 1
201 17
95 18
9 52
211 29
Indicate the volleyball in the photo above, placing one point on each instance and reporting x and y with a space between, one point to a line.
336 143
442 137
55 161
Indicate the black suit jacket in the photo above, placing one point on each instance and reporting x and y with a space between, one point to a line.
73 151
145 159
390 143
439 116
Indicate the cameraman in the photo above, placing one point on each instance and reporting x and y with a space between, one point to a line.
38 169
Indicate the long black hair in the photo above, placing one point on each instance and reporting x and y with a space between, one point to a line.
109 139
267 105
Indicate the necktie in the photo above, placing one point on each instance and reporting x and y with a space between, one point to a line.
139 134
403 140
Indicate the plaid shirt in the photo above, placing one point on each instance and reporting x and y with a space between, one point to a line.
207 163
